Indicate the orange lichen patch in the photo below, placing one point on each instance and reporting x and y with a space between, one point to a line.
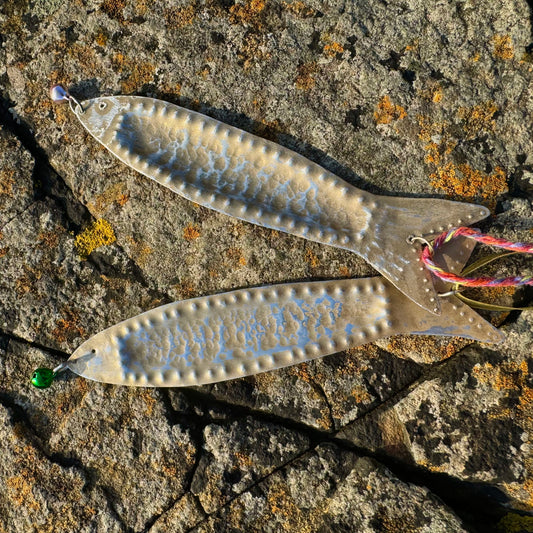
344 271
433 93
236 256
428 129
476 57
137 72
333 48
523 492
114 9
361 395
247 13
112 194
186 289
84 55
478 119
302 372
426 349
99 233
299 8
27 281
436 153
306 76
191 232
470 184
253 50
50 238
414 46
68 328
503 47
101 38
311 258
20 492
140 251
149 400
176 17
505 377
3 251
267 129
515 523
245 461
6 181
386 111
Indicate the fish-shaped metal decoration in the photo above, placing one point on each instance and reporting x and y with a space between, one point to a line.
243 332
244 176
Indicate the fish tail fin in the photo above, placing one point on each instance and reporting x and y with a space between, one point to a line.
388 248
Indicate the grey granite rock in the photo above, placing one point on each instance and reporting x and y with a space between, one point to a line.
332 490
401 98
41 493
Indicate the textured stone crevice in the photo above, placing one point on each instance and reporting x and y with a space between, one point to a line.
47 182
59 355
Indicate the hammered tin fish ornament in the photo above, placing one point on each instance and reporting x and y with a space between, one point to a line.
239 174
244 332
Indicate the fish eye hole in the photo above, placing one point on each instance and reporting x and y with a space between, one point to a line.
93 351
102 106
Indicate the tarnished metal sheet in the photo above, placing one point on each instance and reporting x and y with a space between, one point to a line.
239 333
245 176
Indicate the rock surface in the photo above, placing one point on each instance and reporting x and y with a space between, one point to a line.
399 98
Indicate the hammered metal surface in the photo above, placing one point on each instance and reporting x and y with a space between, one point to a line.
253 179
236 334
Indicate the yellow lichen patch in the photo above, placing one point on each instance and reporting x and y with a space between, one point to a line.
99 233
137 72
515 523
191 232
176 17
503 47
247 13
478 119
464 182
311 258
386 111
306 76
333 48
6 182
299 8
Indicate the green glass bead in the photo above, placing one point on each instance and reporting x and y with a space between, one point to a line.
42 378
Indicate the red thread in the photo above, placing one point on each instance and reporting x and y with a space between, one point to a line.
483 281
